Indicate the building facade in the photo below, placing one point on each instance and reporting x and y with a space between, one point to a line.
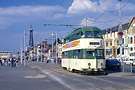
5 55
111 41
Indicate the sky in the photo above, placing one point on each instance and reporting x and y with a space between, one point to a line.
17 15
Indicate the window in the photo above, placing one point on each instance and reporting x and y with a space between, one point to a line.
92 34
108 51
118 51
106 44
76 54
131 49
122 40
89 54
70 54
110 43
64 54
117 42
131 40
134 39
99 53
84 54
114 52
94 43
123 51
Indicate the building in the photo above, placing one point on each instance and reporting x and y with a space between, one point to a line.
131 39
5 55
111 41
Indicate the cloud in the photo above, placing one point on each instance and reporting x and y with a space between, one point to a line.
84 6
80 7
29 10
11 15
102 13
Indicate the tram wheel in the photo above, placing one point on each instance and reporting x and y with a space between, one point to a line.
64 68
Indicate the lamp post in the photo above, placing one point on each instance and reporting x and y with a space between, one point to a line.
56 47
54 34
120 34
24 48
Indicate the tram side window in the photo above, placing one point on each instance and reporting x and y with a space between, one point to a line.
89 34
78 54
65 54
93 34
75 54
70 54
76 36
97 34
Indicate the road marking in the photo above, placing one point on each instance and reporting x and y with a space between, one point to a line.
59 80
35 77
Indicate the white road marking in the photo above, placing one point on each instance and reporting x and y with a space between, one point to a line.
59 80
36 77
62 82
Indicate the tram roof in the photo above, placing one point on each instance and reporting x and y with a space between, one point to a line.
90 28
84 29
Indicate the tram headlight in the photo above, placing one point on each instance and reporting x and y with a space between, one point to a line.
89 64
101 64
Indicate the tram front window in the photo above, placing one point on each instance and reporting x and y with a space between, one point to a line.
90 54
99 53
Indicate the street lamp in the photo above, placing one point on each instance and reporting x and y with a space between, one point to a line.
24 48
56 47
120 34
52 34
52 54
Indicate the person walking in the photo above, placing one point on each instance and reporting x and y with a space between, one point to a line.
1 62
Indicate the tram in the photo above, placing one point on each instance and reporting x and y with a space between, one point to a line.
83 50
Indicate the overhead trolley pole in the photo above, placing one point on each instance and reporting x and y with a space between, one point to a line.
55 34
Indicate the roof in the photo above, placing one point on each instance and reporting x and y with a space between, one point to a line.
5 52
84 29
115 28
131 21
87 29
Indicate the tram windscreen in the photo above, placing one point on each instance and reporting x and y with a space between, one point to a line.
99 53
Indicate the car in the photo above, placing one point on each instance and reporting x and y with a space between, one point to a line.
113 65
51 60
133 63
128 62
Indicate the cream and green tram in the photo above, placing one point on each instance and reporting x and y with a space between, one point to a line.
83 50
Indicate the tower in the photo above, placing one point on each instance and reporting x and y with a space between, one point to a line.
31 41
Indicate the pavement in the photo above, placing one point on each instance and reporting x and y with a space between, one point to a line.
42 76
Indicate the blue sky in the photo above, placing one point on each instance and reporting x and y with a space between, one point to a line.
17 15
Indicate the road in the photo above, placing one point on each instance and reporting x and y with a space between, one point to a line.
41 76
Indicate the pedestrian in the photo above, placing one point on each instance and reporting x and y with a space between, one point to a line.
9 62
3 62
12 62
0 62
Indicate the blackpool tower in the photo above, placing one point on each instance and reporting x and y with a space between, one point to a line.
31 40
